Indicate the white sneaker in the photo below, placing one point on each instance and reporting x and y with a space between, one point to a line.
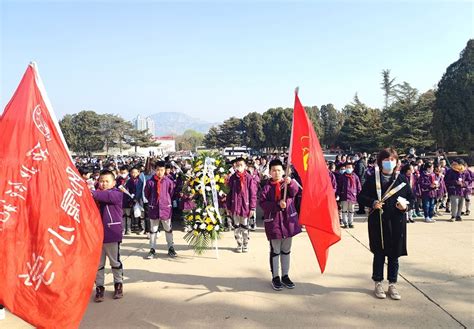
393 292
429 220
238 249
2 313
379 292
245 248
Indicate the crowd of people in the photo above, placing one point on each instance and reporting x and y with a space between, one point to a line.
145 196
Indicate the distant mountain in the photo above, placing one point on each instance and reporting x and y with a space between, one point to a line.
167 123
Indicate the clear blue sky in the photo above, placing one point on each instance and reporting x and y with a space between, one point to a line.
225 58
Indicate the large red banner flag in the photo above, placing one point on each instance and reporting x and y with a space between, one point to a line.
50 228
318 204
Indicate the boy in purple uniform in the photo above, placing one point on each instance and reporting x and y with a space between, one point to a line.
457 180
109 199
241 202
428 187
158 191
348 187
122 180
281 222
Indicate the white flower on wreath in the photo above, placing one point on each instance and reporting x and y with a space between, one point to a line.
198 210
208 188
221 170
195 226
216 228
203 226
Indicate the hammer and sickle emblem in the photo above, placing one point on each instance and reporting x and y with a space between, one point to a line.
305 149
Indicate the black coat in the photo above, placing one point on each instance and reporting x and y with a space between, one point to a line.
360 169
393 220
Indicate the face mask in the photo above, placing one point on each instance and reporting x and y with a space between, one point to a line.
388 166
342 171
124 175
349 171
356 158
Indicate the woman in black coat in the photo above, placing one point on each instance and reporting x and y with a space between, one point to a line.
387 207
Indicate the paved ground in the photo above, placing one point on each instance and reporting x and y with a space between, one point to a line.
234 290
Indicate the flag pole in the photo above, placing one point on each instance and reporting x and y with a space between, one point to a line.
288 163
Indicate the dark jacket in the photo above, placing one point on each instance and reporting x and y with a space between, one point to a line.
393 219
360 169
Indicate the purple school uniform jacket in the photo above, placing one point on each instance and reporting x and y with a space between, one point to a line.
279 223
332 177
470 183
110 203
425 182
241 201
159 208
456 182
348 187
441 191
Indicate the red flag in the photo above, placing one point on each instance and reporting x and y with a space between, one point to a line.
318 205
50 228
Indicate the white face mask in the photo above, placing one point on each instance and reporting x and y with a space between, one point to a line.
124 175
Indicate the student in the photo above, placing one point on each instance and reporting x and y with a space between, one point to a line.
110 204
135 187
457 180
407 170
348 187
281 222
158 191
120 183
241 202
386 223
428 186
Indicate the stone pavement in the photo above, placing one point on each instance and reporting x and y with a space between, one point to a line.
234 290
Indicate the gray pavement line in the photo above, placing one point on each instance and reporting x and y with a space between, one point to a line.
414 286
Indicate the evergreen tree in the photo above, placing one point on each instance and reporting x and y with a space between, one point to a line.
454 109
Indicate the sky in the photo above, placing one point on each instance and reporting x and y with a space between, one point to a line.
217 59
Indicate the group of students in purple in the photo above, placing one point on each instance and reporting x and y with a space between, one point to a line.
436 184
146 198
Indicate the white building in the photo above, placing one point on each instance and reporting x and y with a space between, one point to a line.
141 123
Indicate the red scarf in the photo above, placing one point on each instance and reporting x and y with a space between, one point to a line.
351 179
158 185
277 189
242 179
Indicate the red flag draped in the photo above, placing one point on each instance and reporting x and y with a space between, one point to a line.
50 228
318 205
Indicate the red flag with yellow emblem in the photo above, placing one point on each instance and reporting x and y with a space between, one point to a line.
318 205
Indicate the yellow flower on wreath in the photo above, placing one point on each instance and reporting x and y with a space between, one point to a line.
195 232
210 227
208 220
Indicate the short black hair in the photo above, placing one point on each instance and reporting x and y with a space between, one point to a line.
137 168
274 163
168 165
123 168
84 171
160 164
107 172
240 159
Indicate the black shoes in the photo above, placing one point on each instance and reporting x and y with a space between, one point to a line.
99 294
276 283
118 293
287 282
172 253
